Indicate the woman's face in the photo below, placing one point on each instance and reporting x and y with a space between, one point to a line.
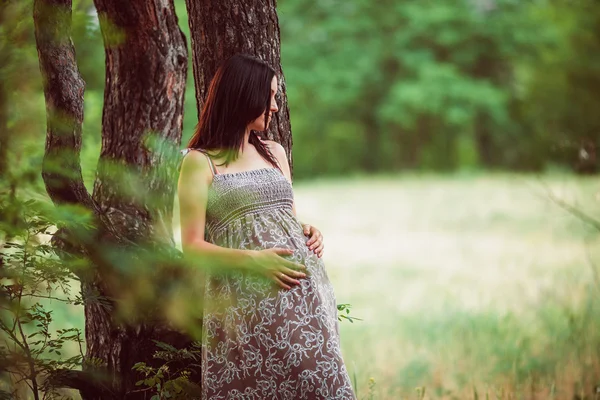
259 123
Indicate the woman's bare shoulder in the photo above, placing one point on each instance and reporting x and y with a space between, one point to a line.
193 158
275 147
194 166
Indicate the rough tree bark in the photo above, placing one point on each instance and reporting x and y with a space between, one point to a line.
63 90
146 65
221 28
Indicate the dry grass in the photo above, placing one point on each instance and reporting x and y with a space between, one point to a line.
462 282
471 287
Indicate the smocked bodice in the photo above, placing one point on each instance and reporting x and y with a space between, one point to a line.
235 195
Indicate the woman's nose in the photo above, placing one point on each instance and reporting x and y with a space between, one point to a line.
274 107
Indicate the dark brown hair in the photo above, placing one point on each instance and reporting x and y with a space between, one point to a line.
239 93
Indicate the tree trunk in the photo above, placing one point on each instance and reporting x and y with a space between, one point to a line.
146 66
63 90
488 68
221 28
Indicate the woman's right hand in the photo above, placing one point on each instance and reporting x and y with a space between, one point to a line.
270 263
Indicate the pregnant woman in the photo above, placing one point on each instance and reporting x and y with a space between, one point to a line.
270 328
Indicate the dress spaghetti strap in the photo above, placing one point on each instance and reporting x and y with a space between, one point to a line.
213 168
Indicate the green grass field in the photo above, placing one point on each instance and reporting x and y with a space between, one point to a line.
469 287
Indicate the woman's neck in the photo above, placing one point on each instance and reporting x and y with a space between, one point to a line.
246 141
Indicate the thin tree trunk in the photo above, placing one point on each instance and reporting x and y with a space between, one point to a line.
63 90
221 28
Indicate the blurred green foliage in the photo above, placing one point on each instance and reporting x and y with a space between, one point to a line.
444 85
388 85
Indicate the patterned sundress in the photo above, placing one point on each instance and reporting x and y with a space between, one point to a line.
261 341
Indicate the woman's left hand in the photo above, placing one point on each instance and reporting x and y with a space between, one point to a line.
315 242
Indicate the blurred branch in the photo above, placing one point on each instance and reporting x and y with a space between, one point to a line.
594 268
68 301
595 223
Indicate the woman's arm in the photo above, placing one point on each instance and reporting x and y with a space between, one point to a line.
195 178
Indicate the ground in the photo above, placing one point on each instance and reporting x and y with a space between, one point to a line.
473 283
467 285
